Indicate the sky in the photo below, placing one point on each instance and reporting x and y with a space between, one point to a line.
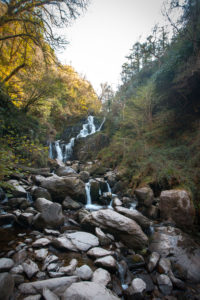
100 39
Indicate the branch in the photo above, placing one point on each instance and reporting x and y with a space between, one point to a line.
14 72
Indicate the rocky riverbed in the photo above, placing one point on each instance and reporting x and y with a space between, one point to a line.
129 246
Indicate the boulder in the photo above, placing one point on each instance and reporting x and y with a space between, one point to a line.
60 187
138 286
124 228
40 192
50 215
17 188
41 242
6 264
101 276
177 206
94 189
98 252
84 176
180 248
30 268
153 260
134 215
88 290
165 284
68 203
65 171
107 262
145 196
41 254
6 286
84 272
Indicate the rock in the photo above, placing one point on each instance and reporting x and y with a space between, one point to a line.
50 214
152 212
134 215
60 187
17 270
138 286
51 284
6 286
98 252
41 242
41 254
182 251
104 240
53 267
18 279
68 203
165 284
35 297
101 276
148 280
52 232
18 190
63 242
69 270
30 268
176 281
145 196
94 189
84 272
20 256
7 219
6 264
65 171
107 262
49 259
164 266
117 202
88 290
84 176
177 206
2 194
153 260
48 295
40 192
127 230
111 178
26 218
16 202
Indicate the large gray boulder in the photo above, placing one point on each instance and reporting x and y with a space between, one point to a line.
60 187
6 264
135 215
39 192
88 290
6 286
50 214
65 171
176 206
145 196
125 229
17 189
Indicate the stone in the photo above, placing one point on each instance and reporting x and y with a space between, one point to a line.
148 280
107 262
6 286
135 215
68 203
30 268
40 192
38 286
48 260
88 290
52 232
20 256
48 295
63 242
165 284
41 242
26 218
69 270
50 215
60 187
117 202
6 264
152 212
176 205
127 230
16 202
101 276
145 196
84 176
53 267
98 252
94 189
35 297
180 248
84 272
41 254
164 266
138 286
7 219
17 270
65 171
104 240
18 190
153 260
18 279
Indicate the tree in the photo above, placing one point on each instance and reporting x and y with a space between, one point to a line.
106 95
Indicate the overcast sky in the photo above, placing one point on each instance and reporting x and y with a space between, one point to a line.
101 38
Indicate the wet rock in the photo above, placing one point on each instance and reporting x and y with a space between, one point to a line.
127 230
26 218
20 256
69 270
94 189
88 290
35 297
182 251
176 205
101 276
107 262
30 268
117 202
51 284
134 215
48 295
6 286
6 264
104 240
41 254
50 214
84 176
41 242
60 187
68 203
18 279
65 171
18 190
63 242
7 219
164 266
153 260
84 272
145 196
176 281
52 232
16 202
138 286
165 284
111 178
40 192
149 283
152 212
98 252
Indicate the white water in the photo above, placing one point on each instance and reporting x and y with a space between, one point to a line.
69 149
59 151
88 128
121 276
89 204
50 150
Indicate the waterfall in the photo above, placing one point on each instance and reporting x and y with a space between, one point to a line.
50 150
59 151
69 149
121 272
89 204
109 191
88 128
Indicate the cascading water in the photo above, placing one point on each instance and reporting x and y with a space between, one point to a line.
50 150
89 204
69 149
88 128
121 272
58 151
